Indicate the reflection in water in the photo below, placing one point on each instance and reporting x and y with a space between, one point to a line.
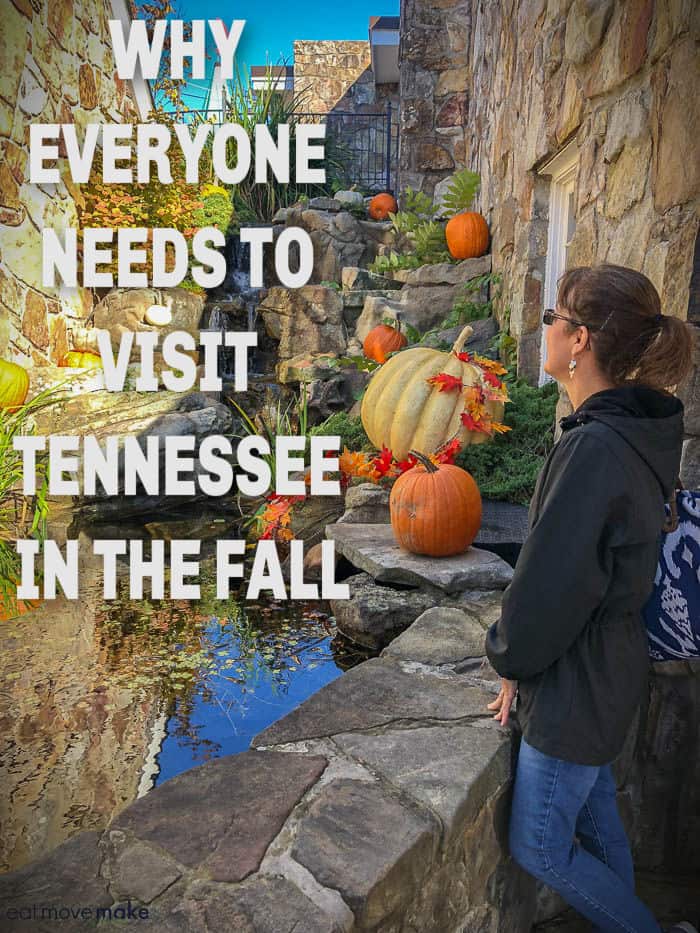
101 700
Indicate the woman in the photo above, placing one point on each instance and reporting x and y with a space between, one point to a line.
571 640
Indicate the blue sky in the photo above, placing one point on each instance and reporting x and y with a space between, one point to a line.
273 25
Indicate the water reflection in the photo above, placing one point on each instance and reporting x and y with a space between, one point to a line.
100 700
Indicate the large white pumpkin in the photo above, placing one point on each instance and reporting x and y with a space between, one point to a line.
403 411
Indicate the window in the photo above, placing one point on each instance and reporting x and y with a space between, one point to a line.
562 170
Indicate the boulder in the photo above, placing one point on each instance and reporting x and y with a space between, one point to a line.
159 414
484 331
375 614
339 393
339 239
354 278
427 295
125 309
325 204
306 367
440 635
304 320
366 503
349 198
374 311
310 517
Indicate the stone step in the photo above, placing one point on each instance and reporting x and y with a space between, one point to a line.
444 273
353 278
373 548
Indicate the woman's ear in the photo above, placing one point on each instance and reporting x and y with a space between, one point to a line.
583 339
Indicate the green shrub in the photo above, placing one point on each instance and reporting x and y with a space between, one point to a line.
507 467
216 210
352 434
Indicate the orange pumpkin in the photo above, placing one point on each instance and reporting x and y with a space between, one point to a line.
14 385
381 204
383 340
79 359
467 235
435 509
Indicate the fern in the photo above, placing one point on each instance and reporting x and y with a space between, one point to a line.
460 194
394 261
418 208
430 242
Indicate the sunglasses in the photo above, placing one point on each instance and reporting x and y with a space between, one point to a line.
550 314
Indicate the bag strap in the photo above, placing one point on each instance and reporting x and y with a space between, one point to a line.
670 523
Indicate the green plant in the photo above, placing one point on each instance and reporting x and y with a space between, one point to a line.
504 344
333 285
460 194
430 243
418 208
248 107
466 307
394 261
21 516
216 209
507 468
291 419
352 434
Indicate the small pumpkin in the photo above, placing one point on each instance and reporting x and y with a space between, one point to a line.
467 235
401 410
383 340
381 205
435 509
14 385
81 359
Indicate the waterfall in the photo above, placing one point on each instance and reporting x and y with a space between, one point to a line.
242 301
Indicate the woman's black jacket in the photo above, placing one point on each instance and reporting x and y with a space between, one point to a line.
571 631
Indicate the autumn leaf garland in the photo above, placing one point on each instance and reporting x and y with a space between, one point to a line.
475 416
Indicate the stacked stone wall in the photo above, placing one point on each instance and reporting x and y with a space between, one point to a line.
502 88
57 67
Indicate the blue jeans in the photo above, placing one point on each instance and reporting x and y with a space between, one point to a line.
555 800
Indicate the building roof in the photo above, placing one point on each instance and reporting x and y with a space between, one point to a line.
383 22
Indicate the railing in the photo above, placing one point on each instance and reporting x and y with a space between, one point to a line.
369 142
366 143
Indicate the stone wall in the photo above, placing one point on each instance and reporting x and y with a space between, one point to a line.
617 80
336 76
57 67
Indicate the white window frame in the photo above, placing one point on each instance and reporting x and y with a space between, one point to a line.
563 172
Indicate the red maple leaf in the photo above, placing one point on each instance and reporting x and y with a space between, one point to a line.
382 463
407 464
492 379
465 357
448 452
473 423
445 382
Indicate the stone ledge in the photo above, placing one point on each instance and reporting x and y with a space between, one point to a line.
393 818
372 548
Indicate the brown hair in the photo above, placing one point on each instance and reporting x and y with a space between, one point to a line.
635 345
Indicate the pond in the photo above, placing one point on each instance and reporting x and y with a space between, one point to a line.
103 700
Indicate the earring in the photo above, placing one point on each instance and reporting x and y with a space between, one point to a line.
572 367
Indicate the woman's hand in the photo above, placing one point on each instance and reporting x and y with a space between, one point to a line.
504 700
